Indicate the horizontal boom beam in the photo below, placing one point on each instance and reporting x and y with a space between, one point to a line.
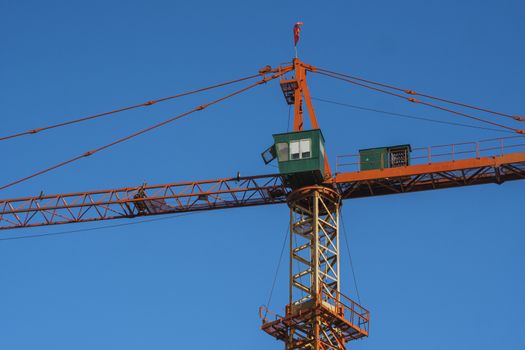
142 201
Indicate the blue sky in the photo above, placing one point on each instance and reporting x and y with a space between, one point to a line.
437 270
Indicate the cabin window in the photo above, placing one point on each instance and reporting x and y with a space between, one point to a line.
282 151
306 150
300 149
294 150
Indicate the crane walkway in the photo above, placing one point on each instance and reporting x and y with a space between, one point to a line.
436 167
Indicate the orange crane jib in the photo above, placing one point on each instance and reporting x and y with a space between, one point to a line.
249 191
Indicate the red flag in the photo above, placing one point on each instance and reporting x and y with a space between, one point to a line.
296 31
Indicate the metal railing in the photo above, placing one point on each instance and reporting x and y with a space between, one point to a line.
435 154
267 315
346 308
336 302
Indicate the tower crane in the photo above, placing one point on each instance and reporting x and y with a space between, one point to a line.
318 315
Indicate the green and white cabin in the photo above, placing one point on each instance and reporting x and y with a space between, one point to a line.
300 156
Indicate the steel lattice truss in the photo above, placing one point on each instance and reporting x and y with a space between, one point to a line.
315 248
141 201
431 180
318 316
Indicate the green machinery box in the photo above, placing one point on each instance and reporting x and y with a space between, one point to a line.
300 156
384 157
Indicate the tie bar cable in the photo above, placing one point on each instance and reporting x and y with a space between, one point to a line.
407 116
144 104
143 131
413 100
412 92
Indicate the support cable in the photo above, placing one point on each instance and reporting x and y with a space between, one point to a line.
276 272
145 104
401 115
61 233
143 131
412 92
351 262
413 100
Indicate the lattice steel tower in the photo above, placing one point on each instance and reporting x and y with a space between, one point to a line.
317 316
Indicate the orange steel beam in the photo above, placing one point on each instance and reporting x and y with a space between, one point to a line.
493 161
472 171
300 69
303 86
131 202
300 76
301 92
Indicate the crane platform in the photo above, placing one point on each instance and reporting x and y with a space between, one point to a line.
346 319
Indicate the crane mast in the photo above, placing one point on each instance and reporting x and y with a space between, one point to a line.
318 315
